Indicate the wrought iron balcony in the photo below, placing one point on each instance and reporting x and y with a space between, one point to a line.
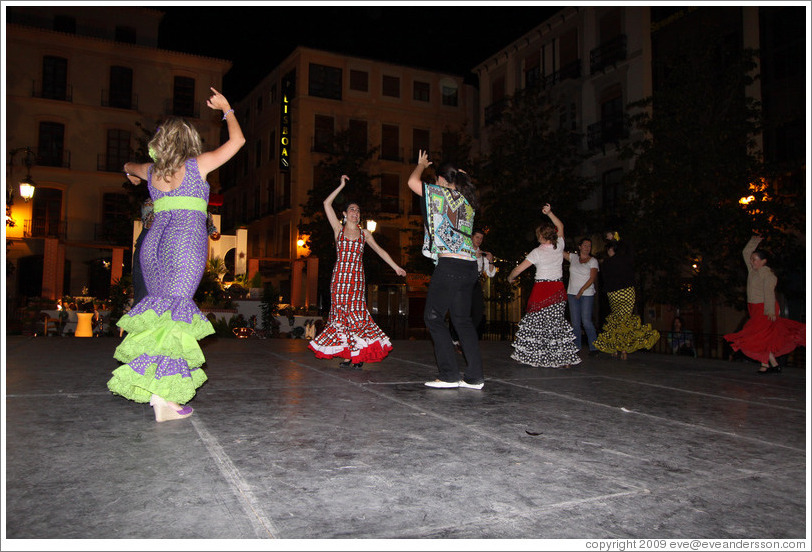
494 111
391 154
608 130
49 157
182 108
608 53
61 93
569 71
45 228
121 102
110 163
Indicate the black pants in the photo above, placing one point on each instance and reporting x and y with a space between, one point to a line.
477 312
450 292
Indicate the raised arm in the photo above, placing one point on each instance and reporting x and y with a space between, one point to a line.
328 206
136 172
211 160
559 226
416 178
748 250
384 255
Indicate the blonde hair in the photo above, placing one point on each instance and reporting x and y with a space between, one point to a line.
174 142
549 232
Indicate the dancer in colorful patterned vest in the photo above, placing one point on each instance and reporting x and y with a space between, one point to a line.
161 353
350 332
450 206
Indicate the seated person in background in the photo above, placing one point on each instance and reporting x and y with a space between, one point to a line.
681 341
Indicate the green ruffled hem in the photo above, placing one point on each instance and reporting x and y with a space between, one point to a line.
626 333
199 327
139 388
171 339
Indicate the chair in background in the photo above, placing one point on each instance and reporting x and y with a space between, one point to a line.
49 324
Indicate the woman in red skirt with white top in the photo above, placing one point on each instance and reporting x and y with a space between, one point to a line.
765 335
350 332
545 339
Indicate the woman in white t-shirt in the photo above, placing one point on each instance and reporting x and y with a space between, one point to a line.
581 293
545 338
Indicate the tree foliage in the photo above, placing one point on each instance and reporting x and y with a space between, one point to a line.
697 157
533 160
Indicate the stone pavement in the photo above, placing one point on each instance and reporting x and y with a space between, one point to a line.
285 446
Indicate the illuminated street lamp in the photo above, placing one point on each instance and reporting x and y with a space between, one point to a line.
26 183
371 225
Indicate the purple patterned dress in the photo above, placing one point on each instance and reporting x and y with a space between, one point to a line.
161 351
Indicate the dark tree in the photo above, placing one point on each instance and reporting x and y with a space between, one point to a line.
697 158
534 160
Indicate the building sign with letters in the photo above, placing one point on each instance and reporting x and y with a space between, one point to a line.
288 89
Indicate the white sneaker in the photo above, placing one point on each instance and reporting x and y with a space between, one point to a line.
440 384
479 385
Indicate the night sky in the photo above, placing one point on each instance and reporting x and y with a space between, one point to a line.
257 38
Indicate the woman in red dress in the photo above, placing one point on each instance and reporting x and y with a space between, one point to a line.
765 335
350 332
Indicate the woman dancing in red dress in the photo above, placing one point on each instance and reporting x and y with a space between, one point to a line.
350 332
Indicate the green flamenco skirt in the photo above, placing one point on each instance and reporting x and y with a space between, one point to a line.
160 352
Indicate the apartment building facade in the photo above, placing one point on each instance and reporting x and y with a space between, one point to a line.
595 61
289 120
79 81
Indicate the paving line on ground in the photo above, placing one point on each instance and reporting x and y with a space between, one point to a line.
510 443
263 527
667 490
659 418
703 394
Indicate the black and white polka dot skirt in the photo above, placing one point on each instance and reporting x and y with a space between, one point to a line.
545 338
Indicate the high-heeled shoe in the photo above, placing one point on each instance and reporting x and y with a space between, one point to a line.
165 411
765 369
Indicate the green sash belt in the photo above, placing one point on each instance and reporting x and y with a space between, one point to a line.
169 203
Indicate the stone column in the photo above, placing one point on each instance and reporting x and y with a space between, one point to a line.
296 283
116 269
312 280
50 261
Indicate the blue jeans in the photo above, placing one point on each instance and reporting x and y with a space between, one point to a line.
450 290
581 314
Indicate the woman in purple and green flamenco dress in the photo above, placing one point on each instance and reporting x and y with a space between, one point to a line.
161 355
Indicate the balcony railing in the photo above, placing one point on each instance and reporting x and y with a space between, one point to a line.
52 93
608 130
494 111
53 158
391 154
569 71
119 102
607 54
182 109
110 163
45 228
